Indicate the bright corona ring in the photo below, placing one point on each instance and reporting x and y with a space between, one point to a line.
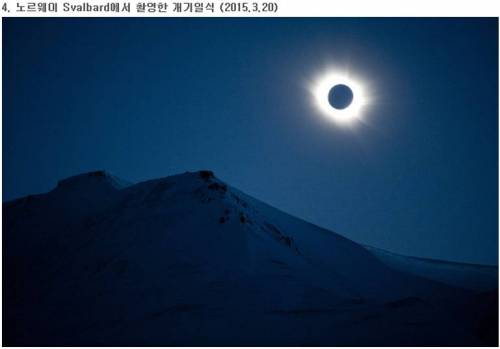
339 97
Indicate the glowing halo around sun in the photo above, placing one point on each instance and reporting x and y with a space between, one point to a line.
321 88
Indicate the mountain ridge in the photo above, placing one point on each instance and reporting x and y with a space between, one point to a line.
120 183
143 263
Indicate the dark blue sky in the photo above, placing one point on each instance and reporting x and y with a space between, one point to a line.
152 98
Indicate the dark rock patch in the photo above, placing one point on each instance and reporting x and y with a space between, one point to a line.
243 219
278 235
218 187
206 175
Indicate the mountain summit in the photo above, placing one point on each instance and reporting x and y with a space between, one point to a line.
188 260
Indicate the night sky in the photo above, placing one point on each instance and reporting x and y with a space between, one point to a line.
152 98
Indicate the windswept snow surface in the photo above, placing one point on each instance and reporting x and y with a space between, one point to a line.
469 276
189 261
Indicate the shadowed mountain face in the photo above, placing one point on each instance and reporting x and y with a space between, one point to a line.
189 260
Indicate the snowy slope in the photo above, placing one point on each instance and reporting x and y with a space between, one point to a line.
469 276
189 260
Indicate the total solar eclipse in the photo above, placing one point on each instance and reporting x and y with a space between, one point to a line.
339 97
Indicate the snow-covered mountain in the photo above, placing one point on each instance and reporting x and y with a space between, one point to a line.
189 260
